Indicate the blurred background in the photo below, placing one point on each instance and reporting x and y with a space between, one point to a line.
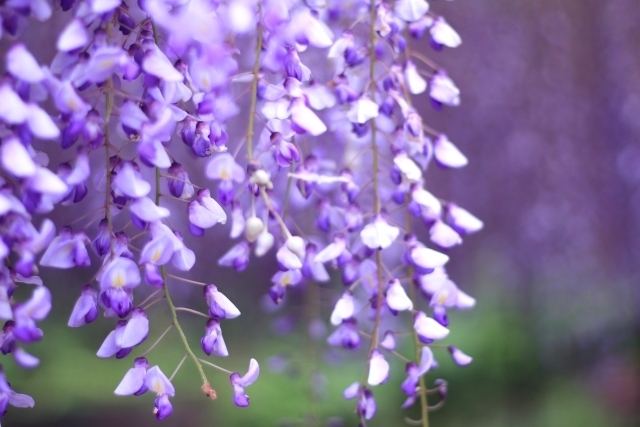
550 120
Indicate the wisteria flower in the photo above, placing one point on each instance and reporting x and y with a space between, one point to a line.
213 342
378 369
379 234
239 383
428 329
86 308
220 307
133 381
156 381
460 358
10 397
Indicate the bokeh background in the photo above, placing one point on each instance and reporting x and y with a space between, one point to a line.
550 121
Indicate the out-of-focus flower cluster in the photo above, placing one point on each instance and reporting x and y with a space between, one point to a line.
331 131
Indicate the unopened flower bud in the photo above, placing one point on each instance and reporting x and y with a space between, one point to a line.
262 178
253 228
296 245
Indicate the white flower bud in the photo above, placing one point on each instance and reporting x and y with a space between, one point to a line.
253 228
264 243
262 178
296 245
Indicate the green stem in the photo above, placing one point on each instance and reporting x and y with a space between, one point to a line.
206 386
254 86
424 404
376 196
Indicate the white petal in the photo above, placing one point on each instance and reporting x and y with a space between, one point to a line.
362 111
463 220
23 65
40 124
429 328
344 309
379 234
415 83
444 90
428 258
443 235
442 33
16 159
411 10
74 36
305 118
12 109
465 301
378 369
448 154
397 298
288 259
408 167
331 252
433 207
46 182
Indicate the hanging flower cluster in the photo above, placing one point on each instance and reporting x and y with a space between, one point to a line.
330 174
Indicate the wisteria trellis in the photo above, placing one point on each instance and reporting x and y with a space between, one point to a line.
331 130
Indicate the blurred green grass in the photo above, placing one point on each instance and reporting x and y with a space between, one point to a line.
506 385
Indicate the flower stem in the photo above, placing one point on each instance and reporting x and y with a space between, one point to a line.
376 196
205 382
424 404
206 386
254 86
107 145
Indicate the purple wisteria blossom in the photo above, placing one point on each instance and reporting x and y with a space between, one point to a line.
327 183
239 383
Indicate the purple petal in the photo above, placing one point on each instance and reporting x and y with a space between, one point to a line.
156 63
135 331
252 373
109 346
24 359
130 183
459 357
84 307
163 406
132 382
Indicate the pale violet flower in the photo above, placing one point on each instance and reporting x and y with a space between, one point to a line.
428 329
415 83
408 167
411 10
442 33
460 358
343 309
447 154
443 89
397 298
462 220
378 369
363 110
378 234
